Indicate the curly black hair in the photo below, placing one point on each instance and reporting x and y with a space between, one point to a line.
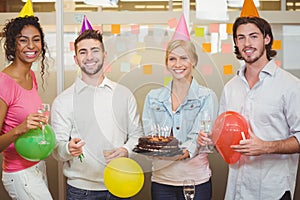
263 26
13 28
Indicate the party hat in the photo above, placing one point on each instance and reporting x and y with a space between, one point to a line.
85 25
181 32
26 10
249 9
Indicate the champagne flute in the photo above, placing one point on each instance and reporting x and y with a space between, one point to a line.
189 189
44 109
206 124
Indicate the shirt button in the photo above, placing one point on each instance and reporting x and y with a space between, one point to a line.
192 106
157 108
177 127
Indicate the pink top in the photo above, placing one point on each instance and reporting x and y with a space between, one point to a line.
21 103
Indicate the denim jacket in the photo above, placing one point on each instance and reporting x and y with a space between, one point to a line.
185 122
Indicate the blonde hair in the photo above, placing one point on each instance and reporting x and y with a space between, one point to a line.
188 46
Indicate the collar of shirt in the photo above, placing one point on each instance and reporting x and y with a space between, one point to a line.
269 69
165 95
81 85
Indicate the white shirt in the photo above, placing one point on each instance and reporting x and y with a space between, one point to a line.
104 117
272 109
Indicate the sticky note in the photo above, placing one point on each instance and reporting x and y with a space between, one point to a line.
167 80
135 29
147 69
278 63
172 22
227 69
226 48
107 68
199 31
71 44
214 28
206 69
98 28
229 28
135 59
124 67
206 47
115 28
276 45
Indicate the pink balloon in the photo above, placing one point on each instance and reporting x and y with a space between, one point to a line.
229 128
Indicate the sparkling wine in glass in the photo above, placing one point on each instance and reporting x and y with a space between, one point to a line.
45 110
189 189
206 126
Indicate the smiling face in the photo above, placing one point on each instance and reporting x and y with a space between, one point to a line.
89 56
28 44
251 43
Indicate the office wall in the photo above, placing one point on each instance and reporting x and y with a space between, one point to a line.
138 63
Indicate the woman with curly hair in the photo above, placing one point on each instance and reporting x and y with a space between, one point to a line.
19 102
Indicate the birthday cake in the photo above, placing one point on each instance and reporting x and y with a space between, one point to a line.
158 145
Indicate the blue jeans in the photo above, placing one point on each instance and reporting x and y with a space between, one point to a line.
74 193
169 192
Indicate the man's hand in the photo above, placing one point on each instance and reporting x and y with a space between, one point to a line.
253 146
75 146
117 153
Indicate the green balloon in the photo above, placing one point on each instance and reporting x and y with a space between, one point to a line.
31 145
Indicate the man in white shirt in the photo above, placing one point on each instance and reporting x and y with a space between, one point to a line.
93 115
269 98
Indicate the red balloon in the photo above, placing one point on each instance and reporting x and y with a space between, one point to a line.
227 130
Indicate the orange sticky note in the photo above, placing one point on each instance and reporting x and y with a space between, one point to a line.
227 69
167 80
115 28
135 29
199 31
172 22
147 69
206 47
229 28
226 48
214 28
276 45
72 48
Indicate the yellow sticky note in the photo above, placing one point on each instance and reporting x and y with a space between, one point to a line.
226 48
135 29
115 28
276 45
167 80
172 22
206 47
135 59
214 28
199 31
147 69
227 69
229 28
